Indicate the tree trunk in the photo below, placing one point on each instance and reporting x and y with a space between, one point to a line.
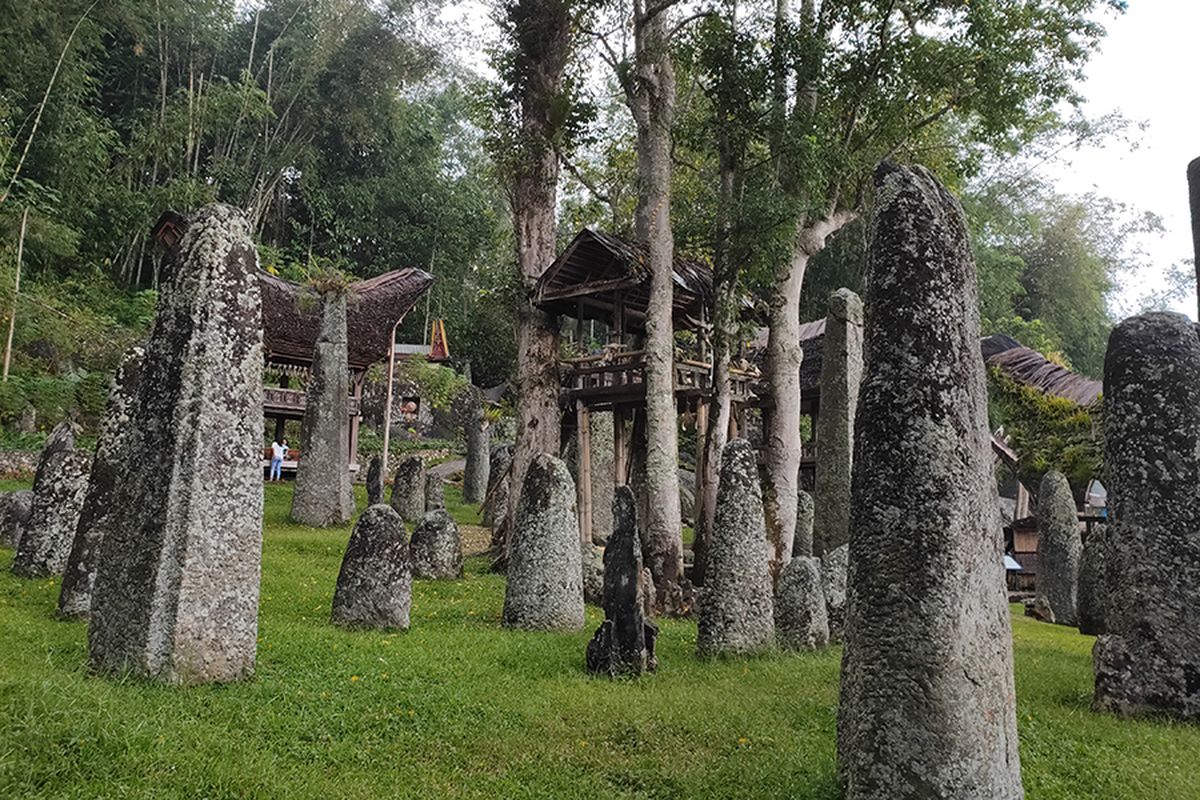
725 308
542 44
783 376
652 101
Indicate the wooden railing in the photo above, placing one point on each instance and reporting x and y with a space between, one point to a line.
292 401
621 374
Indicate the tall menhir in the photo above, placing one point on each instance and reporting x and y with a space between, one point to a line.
177 582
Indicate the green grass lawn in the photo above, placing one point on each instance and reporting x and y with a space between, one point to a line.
457 707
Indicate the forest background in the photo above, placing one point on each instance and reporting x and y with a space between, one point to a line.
359 137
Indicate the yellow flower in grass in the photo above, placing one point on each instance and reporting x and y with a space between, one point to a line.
353 678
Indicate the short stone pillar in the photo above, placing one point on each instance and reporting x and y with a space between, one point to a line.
624 642
1059 549
835 568
603 474
15 508
803 545
737 609
375 481
374 585
108 465
408 490
1148 660
436 547
323 495
495 505
59 487
1092 594
841 373
801 619
177 581
435 491
927 700
545 572
475 471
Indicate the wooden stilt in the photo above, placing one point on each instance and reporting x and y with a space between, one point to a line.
583 484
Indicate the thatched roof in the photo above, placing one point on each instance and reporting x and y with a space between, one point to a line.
1023 365
291 321
596 266
1031 368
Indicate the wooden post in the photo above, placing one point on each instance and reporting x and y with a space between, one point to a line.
579 347
356 419
12 317
618 447
701 434
387 406
583 483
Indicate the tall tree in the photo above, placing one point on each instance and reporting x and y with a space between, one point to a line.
535 104
854 83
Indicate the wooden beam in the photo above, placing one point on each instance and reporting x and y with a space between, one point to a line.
583 484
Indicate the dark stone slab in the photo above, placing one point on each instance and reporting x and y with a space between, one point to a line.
374 585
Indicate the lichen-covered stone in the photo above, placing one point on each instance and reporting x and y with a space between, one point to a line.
835 567
374 585
15 508
478 463
801 620
108 465
408 490
545 570
841 373
436 547
495 506
593 573
375 481
177 580
927 699
603 474
1148 660
1092 595
1059 549
58 491
624 643
737 608
323 495
803 543
435 491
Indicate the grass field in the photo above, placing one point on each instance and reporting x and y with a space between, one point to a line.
458 708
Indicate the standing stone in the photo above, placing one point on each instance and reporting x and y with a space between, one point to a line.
475 473
801 621
593 573
375 481
835 566
436 547
603 475
435 491
58 491
841 374
1059 549
323 495
927 699
805 512
15 508
1148 660
545 570
495 507
408 490
624 642
737 610
108 465
1092 595
177 580
374 586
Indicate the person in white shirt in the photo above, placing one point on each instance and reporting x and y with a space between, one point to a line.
278 451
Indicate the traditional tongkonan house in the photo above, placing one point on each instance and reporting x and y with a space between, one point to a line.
290 326
291 322
600 278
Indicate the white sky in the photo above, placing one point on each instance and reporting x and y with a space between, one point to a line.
1148 68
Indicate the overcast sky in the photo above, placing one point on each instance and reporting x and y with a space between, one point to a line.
1148 69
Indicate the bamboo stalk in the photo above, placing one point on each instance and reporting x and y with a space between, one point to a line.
12 317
